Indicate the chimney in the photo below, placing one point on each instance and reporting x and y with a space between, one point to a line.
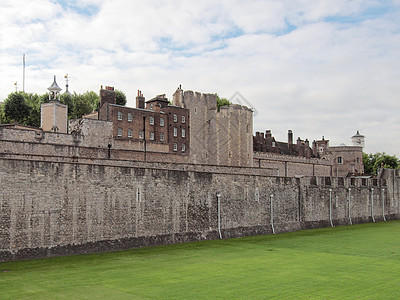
268 134
107 95
177 98
140 100
290 137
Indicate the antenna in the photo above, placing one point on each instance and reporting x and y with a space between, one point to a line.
23 79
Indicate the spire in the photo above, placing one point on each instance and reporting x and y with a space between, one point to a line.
66 85
54 91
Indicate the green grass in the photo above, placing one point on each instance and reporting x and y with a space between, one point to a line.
360 261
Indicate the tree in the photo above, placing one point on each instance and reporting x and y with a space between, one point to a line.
34 102
68 100
373 162
92 98
120 97
222 102
83 105
16 109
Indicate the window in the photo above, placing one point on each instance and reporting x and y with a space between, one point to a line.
161 122
339 160
175 132
183 120
273 144
119 131
119 116
183 147
162 137
130 117
151 135
183 132
151 120
175 147
141 134
175 118
129 133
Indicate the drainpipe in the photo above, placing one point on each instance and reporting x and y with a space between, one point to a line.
350 206
383 204
330 207
271 200
219 215
372 205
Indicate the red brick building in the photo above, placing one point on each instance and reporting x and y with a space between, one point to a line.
163 127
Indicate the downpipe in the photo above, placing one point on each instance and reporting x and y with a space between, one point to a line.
271 201
330 207
383 205
351 223
372 205
219 215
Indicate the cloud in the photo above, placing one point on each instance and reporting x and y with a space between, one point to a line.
316 67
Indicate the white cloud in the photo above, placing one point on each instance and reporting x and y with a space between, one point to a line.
316 67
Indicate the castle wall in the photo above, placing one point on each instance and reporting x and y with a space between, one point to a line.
292 166
50 208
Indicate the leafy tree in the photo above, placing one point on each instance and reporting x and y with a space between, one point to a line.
2 117
68 100
82 105
34 101
120 97
16 109
222 102
92 98
373 162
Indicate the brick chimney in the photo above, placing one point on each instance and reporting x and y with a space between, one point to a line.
140 100
107 95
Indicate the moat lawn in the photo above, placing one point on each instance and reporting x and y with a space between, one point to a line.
360 261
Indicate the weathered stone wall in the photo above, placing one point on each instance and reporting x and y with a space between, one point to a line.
55 208
290 166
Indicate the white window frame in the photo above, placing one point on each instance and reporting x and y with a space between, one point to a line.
130 117
130 133
141 134
183 147
175 132
175 118
151 120
162 122
339 160
151 135
175 147
183 133
119 116
119 131
162 137
183 119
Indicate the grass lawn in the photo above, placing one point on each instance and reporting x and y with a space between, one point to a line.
359 261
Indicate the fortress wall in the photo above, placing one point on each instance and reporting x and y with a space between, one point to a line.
58 208
290 166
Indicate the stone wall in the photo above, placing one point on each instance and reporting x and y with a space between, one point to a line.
291 166
52 208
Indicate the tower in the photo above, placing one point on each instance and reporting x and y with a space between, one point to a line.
54 115
358 139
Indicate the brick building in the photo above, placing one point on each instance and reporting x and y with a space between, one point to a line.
161 126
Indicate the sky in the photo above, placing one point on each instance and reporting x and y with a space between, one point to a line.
318 67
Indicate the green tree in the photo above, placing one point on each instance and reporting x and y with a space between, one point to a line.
373 162
222 102
82 105
92 98
34 101
16 109
68 100
120 97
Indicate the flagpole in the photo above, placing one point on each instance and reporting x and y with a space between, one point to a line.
23 81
